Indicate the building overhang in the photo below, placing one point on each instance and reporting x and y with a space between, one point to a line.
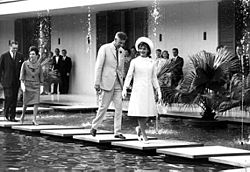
11 9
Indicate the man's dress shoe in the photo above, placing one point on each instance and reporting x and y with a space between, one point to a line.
93 132
120 136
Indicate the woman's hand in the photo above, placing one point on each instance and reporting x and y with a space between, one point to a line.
124 93
23 86
159 95
98 89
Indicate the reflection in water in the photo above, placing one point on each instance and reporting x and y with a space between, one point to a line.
29 152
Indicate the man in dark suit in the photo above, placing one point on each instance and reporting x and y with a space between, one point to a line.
177 73
10 65
65 72
57 66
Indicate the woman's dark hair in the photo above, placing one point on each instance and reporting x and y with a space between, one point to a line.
129 51
145 44
164 52
133 47
35 49
51 53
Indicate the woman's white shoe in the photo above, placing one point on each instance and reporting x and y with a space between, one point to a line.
138 132
145 141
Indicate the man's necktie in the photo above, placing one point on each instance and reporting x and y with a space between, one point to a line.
117 56
14 56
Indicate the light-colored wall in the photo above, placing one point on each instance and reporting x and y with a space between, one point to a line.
6 34
72 31
182 26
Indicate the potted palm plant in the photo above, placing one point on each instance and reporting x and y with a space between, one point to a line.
205 83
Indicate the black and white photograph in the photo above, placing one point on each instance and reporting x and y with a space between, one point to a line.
125 85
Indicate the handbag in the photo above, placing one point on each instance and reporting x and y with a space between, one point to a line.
161 109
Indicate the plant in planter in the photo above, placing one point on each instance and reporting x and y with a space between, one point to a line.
205 83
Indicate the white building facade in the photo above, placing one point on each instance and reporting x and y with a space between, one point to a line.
189 25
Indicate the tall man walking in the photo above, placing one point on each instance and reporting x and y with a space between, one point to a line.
10 65
109 82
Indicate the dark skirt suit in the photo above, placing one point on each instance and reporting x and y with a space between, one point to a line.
32 76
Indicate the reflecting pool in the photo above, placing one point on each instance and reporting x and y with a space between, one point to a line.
22 151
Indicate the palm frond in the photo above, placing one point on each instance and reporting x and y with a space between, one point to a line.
202 60
166 68
188 82
225 60
239 93
169 95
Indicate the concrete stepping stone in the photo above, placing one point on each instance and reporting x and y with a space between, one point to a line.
203 152
2 118
237 170
72 132
30 109
106 138
155 144
9 124
38 128
240 161
73 107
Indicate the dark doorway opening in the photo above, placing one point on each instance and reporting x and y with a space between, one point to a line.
131 21
28 33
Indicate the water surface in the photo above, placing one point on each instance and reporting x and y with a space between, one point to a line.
23 151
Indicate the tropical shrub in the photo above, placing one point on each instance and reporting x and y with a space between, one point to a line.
206 82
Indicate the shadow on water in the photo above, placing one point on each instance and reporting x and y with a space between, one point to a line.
25 151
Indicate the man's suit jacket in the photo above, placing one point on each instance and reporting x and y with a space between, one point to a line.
58 65
106 68
178 63
10 69
66 66
177 72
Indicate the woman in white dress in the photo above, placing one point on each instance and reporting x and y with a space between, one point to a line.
142 101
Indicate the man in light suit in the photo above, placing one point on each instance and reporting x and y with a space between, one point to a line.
10 65
109 82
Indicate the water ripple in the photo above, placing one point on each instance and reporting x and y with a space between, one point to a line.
24 152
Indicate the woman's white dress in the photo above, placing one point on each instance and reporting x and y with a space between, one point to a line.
142 101
159 64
